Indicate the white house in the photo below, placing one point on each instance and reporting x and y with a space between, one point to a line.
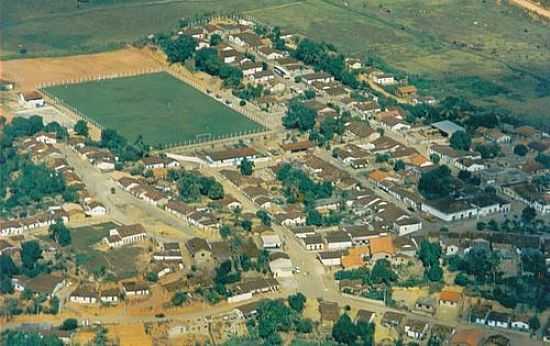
125 235
450 210
135 289
406 224
280 265
84 294
32 99
271 241
110 296
331 258
498 319
416 329
95 209
313 242
383 79
46 137
520 322
230 157
338 240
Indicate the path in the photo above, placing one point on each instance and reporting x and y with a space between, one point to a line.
532 7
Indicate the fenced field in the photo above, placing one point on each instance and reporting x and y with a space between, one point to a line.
157 106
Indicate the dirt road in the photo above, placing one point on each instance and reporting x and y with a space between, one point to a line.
532 7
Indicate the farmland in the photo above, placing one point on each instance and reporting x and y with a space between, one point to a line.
157 106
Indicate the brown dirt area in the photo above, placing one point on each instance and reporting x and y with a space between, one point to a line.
533 7
29 73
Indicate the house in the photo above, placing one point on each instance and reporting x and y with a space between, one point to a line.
32 99
246 289
246 39
498 319
322 77
250 67
135 288
468 337
178 208
125 235
384 79
330 311
497 136
392 319
381 248
331 258
450 298
416 329
95 208
425 304
7 248
313 242
270 53
297 146
170 252
364 316
230 157
280 265
262 76
155 162
45 137
520 322
84 294
353 63
200 250
110 295
478 314
271 241
448 209
355 257
447 127
406 224
229 56
204 219
46 284
406 91
291 218
338 240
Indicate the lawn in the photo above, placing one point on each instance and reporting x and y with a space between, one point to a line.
121 262
157 106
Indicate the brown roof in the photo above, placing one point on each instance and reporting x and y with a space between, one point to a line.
232 153
196 244
129 230
450 296
32 95
330 311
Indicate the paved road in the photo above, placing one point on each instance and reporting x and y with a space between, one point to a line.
122 206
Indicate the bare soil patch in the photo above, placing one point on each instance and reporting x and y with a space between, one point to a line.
30 73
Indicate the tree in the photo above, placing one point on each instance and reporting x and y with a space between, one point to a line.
264 217
435 158
365 331
7 267
152 277
6 286
30 253
178 50
299 116
246 225
81 128
225 231
382 273
215 40
460 140
179 298
273 316
21 338
399 165
528 214
246 167
344 330
60 233
304 326
69 324
436 183
313 217
534 323
297 302
429 254
521 150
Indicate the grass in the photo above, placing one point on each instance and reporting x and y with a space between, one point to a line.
157 106
121 262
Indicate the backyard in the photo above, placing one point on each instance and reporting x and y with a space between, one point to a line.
159 107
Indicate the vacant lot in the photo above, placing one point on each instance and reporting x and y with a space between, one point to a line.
30 73
58 27
121 262
157 106
493 54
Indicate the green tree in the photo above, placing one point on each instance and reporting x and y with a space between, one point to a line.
246 225
382 273
7 267
225 231
297 302
460 140
178 50
246 167
534 323
81 128
528 214
264 217
521 150
30 253
365 331
69 324
273 316
60 233
344 331
299 116
215 40
152 277
435 158
6 287
436 183
399 165
179 298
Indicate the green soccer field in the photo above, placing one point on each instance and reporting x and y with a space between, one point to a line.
159 107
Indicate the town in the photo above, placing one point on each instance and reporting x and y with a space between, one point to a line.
359 210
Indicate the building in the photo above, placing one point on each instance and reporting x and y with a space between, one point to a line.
392 319
322 77
246 289
230 157
331 258
95 209
364 316
338 241
155 162
447 127
313 242
46 284
280 265
84 294
330 312
450 298
200 250
125 235
135 289
450 210
32 99
271 241
416 329
520 322
498 319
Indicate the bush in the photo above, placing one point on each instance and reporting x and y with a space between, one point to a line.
69 324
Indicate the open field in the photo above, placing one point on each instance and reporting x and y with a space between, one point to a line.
122 262
493 54
58 27
156 106
29 73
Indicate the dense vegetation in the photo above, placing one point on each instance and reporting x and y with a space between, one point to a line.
192 185
299 187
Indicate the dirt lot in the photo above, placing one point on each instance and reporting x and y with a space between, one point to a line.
29 73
